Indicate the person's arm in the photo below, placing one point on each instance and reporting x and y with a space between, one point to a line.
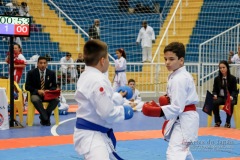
19 65
105 107
139 37
7 59
63 66
20 61
230 56
90 32
234 90
138 98
215 88
29 83
153 36
120 64
53 81
72 66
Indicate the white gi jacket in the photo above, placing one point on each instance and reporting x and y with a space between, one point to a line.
120 65
181 91
65 66
137 99
236 59
146 36
120 78
97 103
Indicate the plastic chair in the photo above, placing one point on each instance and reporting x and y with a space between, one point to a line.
236 113
31 110
18 103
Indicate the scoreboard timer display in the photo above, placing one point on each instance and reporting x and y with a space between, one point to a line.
15 26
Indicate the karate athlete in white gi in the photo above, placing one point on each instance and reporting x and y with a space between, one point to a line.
98 106
147 36
120 78
136 100
183 120
235 59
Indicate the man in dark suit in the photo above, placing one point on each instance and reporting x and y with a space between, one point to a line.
38 81
94 30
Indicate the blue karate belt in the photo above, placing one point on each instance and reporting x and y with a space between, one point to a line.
119 71
84 124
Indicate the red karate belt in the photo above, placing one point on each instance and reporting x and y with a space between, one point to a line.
190 107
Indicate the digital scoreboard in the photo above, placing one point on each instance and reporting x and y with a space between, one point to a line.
15 26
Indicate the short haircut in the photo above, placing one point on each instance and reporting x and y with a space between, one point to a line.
131 80
96 20
177 48
93 51
144 22
68 54
41 58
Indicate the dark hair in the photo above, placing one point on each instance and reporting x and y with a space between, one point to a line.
93 51
48 57
131 80
228 70
23 4
144 22
68 54
121 50
18 46
177 48
41 58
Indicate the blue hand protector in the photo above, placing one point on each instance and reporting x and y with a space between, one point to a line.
128 112
124 89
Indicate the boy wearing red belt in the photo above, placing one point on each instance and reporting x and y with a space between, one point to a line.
181 127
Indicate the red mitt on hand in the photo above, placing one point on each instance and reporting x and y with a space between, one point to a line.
151 109
164 100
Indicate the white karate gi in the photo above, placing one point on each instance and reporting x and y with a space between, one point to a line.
120 78
146 36
95 96
236 59
183 131
63 103
67 68
137 99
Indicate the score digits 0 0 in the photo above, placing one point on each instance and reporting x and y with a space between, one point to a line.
14 26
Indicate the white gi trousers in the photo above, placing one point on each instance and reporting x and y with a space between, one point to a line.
147 54
177 149
101 149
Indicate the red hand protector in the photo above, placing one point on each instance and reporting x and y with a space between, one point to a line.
164 100
151 109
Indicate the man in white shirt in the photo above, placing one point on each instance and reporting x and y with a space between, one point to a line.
235 59
147 36
68 68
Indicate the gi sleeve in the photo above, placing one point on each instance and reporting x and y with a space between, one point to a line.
104 105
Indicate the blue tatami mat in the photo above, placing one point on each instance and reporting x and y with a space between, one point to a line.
206 147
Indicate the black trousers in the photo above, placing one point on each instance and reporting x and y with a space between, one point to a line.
221 101
44 113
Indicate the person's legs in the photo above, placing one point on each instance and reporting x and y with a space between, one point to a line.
216 103
37 102
177 147
228 119
99 148
144 54
51 106
149 54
